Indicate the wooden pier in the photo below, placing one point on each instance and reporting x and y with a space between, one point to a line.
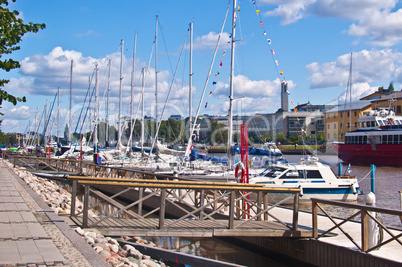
162 205
197 209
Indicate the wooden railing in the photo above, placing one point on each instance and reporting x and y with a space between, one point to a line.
242 202
41 163
365 215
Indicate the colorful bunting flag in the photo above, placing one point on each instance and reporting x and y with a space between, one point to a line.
261 23
281 73
213 83
273 52
295 110
258 12
303 131
238 9
210 93
217 73
291 101
265 33
224 52
206 104
269 41
277 63
220 63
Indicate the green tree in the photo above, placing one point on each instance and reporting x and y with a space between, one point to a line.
12 29
391 88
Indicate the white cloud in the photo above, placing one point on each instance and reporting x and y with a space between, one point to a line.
243 86
387 33
359 90
289 12
368 66
209 41
372 18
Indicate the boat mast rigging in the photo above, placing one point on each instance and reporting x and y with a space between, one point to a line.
190 109
107 105
120 93
96 110
69 134
156 71
230 116
130 143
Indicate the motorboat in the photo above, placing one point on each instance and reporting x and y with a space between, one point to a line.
315 179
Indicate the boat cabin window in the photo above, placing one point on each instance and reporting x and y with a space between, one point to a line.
356 140
300 174
380 123
313 174
275 172
391 139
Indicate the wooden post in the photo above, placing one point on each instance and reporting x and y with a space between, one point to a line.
162 209
231 209
364 223
296 212
266 206
140 196
202 200
259 203
86 205
315 218
73 196
14 161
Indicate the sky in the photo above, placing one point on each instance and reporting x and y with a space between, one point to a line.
306 43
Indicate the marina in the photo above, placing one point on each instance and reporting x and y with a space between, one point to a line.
255 175
307 222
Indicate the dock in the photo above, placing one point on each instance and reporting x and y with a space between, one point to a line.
239 213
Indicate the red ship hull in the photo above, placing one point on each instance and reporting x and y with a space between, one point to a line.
390 155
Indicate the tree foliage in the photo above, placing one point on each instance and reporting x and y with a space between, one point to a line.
12 28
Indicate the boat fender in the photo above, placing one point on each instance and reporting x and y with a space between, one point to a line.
238 171
353 188
301 190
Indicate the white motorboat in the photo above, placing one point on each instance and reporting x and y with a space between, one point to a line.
315 179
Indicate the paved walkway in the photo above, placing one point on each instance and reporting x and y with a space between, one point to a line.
33 235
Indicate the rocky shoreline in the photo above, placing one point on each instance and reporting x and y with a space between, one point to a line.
59 200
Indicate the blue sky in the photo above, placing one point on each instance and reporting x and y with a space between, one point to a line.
312 40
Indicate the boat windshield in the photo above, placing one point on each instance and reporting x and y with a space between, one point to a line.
274 172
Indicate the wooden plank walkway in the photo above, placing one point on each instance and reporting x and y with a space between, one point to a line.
191 228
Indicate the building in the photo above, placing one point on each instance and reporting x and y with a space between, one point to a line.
175 117
343 118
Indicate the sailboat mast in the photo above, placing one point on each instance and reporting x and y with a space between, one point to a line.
96 109
142 113
230 117
58 114
190 109
132 93
107 105
120 90
350 93
71 101
156 69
